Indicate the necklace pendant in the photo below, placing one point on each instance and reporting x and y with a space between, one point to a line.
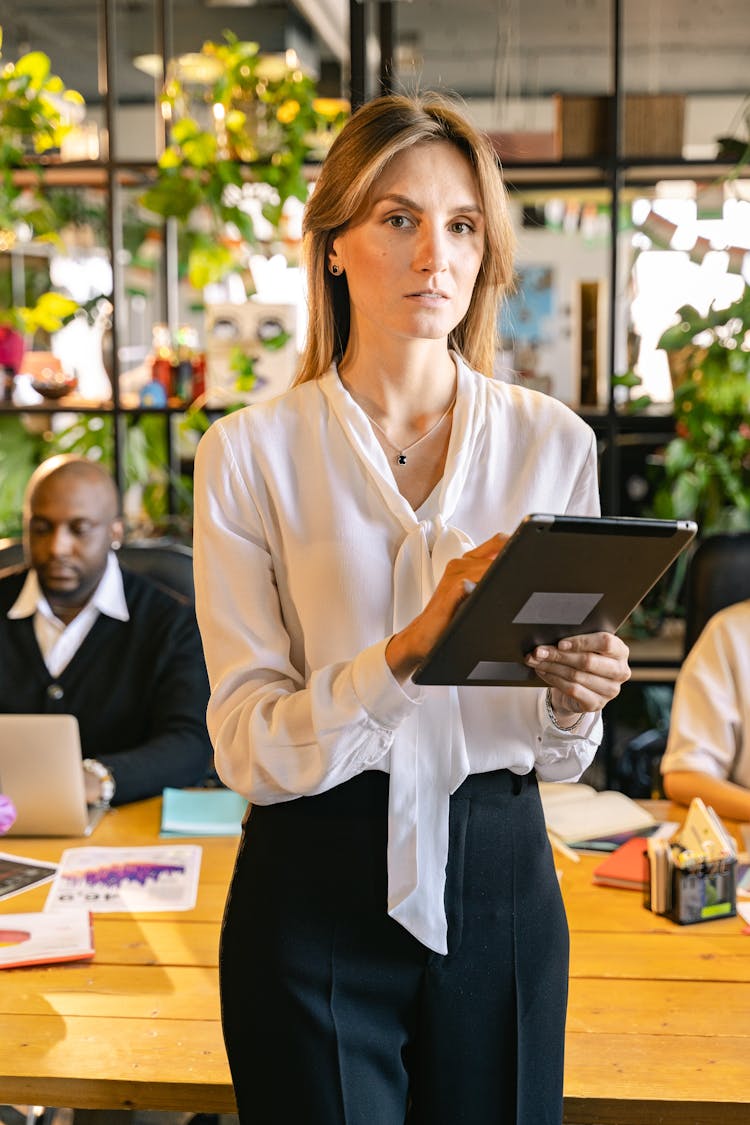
401 459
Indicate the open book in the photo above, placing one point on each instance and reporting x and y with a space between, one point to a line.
576 812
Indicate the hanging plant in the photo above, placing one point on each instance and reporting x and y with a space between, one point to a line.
36 113
242 125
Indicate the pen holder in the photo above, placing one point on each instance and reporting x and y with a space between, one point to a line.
701 894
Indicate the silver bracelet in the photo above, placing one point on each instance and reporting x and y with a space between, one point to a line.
553 717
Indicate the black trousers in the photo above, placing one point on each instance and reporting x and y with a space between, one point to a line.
333 1014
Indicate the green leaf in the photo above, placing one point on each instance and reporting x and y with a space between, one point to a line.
678 456
627 379
185 129
207 263
35 65
200 151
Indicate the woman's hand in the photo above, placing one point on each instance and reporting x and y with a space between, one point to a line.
406 650
582 672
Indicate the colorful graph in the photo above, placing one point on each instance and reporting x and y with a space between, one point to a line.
162 877
119 874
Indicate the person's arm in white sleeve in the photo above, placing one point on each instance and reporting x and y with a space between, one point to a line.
601 660
564 755
705 731
274 736
584 497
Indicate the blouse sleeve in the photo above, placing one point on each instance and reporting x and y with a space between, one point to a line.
275 737
705 722
564 756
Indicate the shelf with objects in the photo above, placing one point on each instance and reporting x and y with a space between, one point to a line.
181 163
185 217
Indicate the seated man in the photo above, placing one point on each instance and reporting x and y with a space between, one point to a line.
79 635
708 749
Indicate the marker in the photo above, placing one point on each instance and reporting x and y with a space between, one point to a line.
562 848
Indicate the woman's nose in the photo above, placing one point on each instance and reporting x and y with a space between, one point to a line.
430 254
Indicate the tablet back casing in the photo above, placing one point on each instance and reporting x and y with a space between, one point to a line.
557 576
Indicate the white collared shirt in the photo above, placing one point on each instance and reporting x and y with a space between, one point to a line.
57 641
709 727
307 560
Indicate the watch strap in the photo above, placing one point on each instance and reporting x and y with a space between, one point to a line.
104 777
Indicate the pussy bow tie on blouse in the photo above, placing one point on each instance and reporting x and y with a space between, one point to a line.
428 759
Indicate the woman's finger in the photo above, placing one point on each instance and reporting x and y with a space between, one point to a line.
596 653
587 671
491 547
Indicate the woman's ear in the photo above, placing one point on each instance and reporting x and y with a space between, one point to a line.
334 258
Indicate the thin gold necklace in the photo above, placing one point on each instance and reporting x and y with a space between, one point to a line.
404 449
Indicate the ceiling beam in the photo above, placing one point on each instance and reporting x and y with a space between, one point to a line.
330 20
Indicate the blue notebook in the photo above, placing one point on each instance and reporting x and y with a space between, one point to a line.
202 812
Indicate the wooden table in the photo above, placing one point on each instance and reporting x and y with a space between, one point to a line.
137 1027
658 1022
659 1014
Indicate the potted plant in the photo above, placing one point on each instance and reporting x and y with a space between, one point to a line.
241 127
707 464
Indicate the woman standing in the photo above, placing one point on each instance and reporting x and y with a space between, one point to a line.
394 946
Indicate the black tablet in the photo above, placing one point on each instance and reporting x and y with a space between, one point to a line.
556 577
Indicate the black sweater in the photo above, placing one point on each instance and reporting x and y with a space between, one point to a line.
138 688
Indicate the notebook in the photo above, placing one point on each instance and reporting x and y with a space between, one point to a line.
202 812
40 770
627 867
576 812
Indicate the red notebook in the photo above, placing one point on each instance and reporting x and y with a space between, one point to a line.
627 867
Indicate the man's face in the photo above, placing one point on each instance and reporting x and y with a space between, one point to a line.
70 527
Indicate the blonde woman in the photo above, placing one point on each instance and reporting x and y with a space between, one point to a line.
394 946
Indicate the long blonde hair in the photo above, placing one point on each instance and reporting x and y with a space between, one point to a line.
375 134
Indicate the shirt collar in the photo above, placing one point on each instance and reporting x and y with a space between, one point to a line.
108 597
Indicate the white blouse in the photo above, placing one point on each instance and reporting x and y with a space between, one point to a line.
307 560
709 728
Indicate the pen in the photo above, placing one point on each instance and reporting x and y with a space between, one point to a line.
562 848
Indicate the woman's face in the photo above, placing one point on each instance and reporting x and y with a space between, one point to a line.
411 263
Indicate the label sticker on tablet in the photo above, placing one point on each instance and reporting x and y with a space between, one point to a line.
494 670
556 609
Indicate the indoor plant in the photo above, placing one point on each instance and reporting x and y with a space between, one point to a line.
241 127
35 116
707 463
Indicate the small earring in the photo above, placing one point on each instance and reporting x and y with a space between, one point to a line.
335 269
115 544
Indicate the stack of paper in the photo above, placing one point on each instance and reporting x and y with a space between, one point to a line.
703 836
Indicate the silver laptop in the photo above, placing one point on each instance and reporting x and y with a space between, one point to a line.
40 770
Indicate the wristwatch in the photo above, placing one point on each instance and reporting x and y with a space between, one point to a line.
104 777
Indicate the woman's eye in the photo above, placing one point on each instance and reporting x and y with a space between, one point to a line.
398 221
461 227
